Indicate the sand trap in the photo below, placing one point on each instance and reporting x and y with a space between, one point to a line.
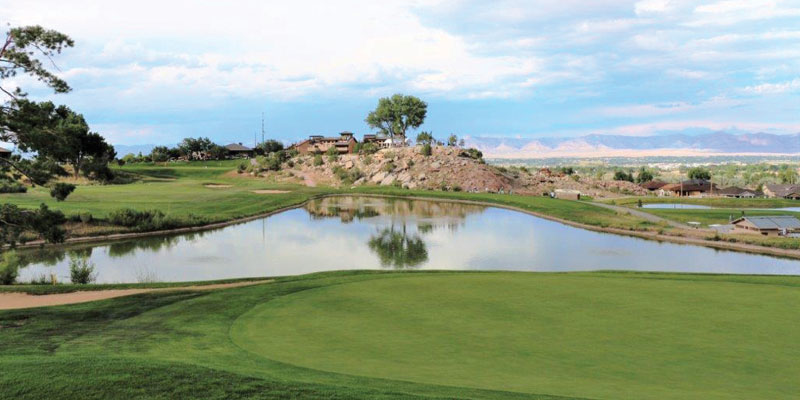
9 301
269 191
215 186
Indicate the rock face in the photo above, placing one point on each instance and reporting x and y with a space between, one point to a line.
447 168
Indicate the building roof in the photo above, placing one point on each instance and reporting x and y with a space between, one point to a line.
4 150
653 185
772 222
237 147
691 185
733 190
783 190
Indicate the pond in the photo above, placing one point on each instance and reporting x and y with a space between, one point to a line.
339 233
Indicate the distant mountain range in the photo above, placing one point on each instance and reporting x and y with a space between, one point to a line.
717 143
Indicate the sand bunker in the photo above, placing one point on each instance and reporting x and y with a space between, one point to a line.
216 186
269 191
9 301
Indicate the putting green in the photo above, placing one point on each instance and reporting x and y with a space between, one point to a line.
584 336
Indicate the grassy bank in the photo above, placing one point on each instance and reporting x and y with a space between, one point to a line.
393 335
717 202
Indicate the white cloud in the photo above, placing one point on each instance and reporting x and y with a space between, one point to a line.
775 88
652 6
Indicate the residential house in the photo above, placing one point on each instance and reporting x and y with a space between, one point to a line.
237 150
654 187
737 192
691 188
779 225
344 144
786 191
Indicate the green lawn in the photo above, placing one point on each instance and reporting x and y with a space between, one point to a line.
711 216
718 202
420 335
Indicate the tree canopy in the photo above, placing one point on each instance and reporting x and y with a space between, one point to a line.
699 173
51 135
395 115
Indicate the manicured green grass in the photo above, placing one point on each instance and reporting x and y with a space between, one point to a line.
719 202
713 215
420 335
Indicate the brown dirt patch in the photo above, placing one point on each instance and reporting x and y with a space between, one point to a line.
269 191
217 186
10 301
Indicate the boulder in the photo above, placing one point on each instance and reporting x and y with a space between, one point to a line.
377 178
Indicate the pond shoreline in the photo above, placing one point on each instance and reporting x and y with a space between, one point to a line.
655 236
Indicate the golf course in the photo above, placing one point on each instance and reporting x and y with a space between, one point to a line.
392 335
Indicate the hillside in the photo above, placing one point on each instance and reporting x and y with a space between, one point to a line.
447 168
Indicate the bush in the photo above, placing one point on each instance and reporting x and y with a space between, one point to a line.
81 271
472 153
388 167
426 150
12 187
86 217
368 148
9 268
151 220
61 190
317 160
241 168
332 153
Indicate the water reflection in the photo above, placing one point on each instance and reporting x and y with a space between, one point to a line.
397 249
371 233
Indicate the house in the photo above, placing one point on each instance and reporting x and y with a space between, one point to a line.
782 191
691 188
5 153
653 186
737 192
236 150
344 144
779 225
567 194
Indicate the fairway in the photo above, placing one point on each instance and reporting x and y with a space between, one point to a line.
566 335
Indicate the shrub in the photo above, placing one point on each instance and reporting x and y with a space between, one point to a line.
9 268
151 220
12 187
86 217
61 190
332 153
367 160
317 160
241 168
456 188
81 271
426 150
388 167
368 148
472 153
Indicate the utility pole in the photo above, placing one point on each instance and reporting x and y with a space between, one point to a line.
262 127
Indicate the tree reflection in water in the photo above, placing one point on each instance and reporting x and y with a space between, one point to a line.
398 250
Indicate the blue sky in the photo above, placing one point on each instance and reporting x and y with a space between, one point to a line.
157 71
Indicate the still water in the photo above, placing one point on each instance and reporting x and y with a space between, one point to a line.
375 233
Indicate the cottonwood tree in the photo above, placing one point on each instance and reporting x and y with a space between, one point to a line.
28 125
424 137
397 114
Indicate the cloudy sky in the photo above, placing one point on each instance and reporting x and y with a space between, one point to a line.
157 71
